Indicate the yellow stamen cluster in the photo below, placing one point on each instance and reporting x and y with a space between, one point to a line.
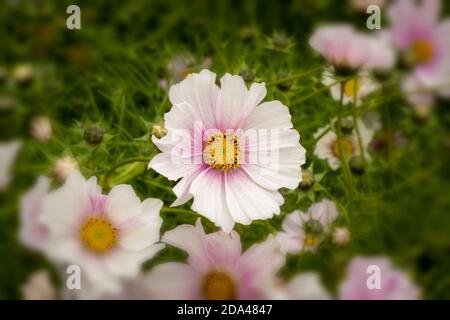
422 51
222 152
347 147
352 87
98 235
218 285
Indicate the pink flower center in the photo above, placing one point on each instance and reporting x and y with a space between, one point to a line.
98 235
218 285
222 151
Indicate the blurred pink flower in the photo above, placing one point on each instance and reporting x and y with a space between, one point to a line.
216 268
211 157
383 57
8 153
424 42
107 236
38 287
342 46
394 284
306 230
32 233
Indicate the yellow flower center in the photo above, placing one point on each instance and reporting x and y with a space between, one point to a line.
222 152
347 147
218 285
98 235
310 241
422 51
352 87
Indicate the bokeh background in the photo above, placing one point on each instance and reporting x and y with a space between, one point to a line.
113 75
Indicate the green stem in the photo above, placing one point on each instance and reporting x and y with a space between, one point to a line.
342 155
294 77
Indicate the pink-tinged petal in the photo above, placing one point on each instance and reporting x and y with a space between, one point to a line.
123 205
291 242
269 115
293 222
192 240
210 184
163 164
394 284
181 189
64 208
258 267
278 163
223 250
307 286
430 10
124 263
175 281
193 99
324 211
248 201
235 102
32 233
145 230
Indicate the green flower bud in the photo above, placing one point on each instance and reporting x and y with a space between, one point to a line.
307 179
93 135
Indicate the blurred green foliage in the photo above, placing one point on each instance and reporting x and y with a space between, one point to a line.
107 74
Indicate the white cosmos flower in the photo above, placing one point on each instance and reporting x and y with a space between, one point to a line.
362 85
8 153
32 233
327 147
226 133
107 236
305 230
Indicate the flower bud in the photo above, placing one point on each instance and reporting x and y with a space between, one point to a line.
285 85
357 164
40 128
346 126
23 75
307 179
63 167
280 40
247 75
158 130
93 135
341 237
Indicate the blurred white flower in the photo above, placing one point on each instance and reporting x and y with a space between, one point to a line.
32 233
38 287
8 153
107 236
306 230
354 89
327 147
63 167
